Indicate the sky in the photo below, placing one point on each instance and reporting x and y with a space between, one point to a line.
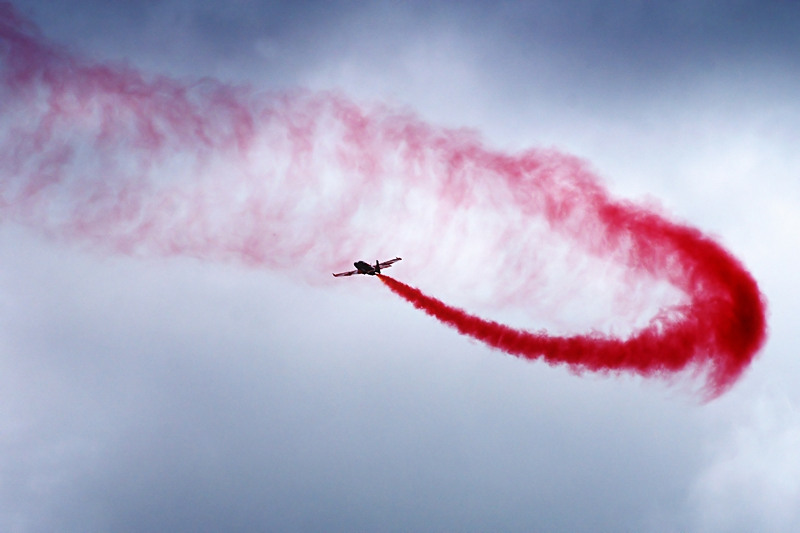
142 390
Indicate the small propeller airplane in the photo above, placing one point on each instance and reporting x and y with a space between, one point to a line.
362 267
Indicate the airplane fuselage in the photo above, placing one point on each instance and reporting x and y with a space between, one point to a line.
365 268
362 267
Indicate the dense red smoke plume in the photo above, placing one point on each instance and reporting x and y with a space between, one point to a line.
663 348
107 156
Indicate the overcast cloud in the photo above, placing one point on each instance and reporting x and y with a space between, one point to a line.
173 394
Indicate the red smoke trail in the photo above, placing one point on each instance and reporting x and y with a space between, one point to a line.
110 157
658 350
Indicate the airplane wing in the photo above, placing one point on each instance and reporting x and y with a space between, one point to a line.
340 274
389 263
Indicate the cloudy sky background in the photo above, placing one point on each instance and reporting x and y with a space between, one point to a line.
146 394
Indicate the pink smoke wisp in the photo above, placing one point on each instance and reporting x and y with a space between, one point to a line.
108 156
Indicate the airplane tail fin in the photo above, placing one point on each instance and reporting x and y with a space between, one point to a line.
377 267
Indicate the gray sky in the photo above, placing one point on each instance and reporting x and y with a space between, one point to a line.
174 394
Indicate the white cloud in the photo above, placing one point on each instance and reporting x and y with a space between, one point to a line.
753 480
150 385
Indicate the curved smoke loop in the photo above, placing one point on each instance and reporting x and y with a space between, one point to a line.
106 155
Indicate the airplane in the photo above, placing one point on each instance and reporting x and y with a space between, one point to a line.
362 267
